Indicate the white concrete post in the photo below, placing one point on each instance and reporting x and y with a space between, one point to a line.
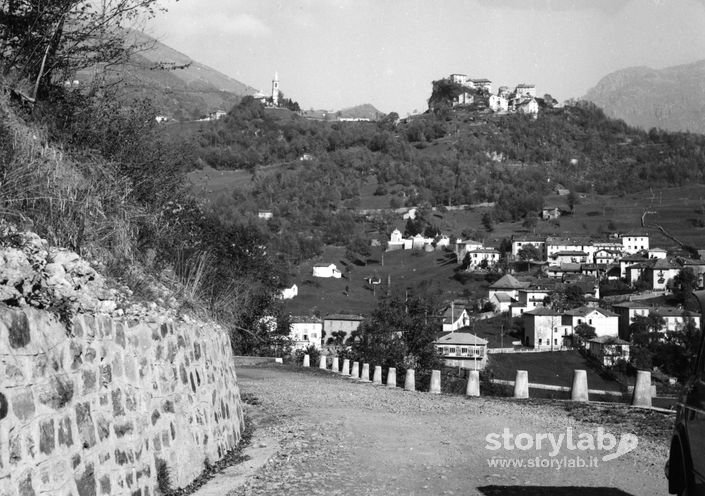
392 377
579 392
473 386
435 382
307 360
521 384
410 380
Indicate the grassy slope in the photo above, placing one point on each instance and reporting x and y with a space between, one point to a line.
554 368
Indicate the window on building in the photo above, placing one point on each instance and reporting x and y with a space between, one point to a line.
305 337
451 351
540 341
463 351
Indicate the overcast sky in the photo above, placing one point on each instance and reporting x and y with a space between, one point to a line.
332 54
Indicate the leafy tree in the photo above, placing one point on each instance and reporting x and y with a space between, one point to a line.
47 42
399 332
585 332
487 221
684 283
529 252
573 200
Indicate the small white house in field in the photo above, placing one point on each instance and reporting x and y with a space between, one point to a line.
289 293
326 270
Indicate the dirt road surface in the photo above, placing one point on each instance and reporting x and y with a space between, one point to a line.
337 436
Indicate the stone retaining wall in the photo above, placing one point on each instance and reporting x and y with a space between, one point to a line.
97 412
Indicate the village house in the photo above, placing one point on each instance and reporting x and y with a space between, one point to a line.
608 350
463 247
454 317
606 256
657 253
544 329
698 268
519 242
326 270
265 214
528 299
498 103
505 291
528 106
482 258
569 256
462 349
289 293
550 213
524 90
555 244
604 322
674 318
305 332
658 273
629 261
337 322
634 242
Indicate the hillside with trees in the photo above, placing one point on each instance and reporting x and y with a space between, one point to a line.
94 173
312 174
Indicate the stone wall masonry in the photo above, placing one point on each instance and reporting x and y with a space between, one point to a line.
96 413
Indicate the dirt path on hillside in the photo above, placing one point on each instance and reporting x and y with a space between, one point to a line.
341 437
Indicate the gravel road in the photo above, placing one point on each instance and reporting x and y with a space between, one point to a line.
342 437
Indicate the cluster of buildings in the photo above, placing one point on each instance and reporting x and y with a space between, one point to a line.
315 331
521 99
418 242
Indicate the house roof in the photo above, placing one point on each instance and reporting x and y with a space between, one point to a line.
634 234
673 312
503 298
324 265
453 313
484 250
460 337
304 319
508 281
663 264
543 311
584 311
528 239
343 316
608 340
578 253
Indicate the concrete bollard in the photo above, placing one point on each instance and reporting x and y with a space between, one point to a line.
307 361
392 377
278 360
355 372
435 382
521 384
642 389
365 377
410 380
346 367
473 386
579 392
336 366
323 363
377 376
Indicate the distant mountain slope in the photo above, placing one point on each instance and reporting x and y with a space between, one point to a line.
184 93
672 98
364 111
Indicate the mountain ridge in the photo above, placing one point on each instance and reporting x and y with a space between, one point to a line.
671 98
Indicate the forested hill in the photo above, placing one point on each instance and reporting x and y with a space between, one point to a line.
450 157
457 156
